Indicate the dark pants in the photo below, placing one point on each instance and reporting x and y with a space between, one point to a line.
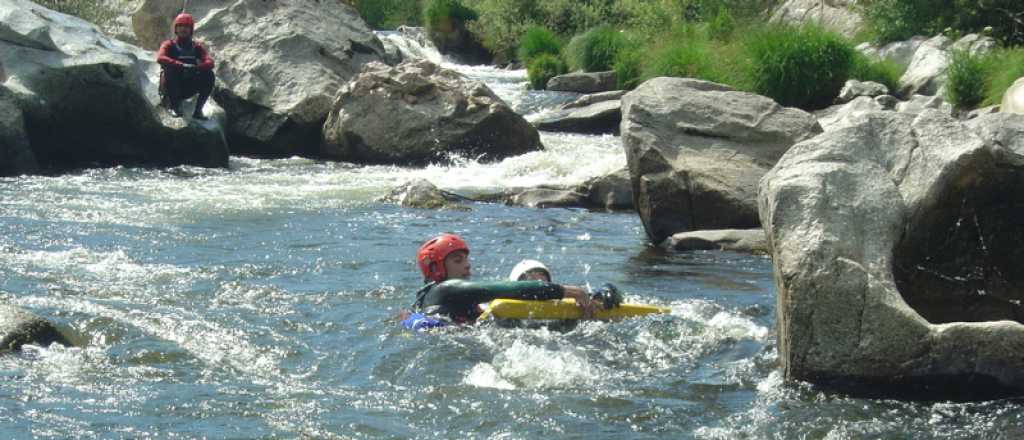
177 84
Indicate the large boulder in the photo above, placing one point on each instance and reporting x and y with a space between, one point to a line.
1013 99
843 115
151 21
15 154
697 149
418 112
836 15
926 73
89 99
19 327
583 82
599 118
612 191
895 244
280 65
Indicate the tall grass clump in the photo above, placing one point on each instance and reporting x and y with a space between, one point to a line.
722 25
537 41
1004 67
629 66
542 68
595 50
685 53
882 71
798 67
966 82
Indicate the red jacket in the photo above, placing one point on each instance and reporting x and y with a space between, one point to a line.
169 53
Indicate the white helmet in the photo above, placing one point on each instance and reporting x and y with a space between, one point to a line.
519 272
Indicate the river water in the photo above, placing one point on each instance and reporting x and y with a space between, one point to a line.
258 302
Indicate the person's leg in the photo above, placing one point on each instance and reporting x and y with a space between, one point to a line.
172 85
204 86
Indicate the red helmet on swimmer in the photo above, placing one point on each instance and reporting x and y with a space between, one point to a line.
184 19
431 256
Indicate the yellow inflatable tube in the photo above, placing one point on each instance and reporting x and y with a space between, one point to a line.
559 309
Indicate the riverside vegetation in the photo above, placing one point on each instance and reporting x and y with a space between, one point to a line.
726 41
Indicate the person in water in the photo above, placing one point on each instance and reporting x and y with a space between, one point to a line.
444 262
530 270
187 69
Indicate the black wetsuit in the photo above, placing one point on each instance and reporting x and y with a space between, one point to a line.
458 299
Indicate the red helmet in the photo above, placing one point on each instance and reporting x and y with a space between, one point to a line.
432 254
185 19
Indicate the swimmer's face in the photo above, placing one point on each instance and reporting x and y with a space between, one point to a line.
456 264
535 275
183 31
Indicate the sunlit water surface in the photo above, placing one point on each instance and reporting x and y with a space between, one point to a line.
259 302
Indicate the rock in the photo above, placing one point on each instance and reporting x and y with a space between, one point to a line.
926 73
697 149
988 110
16 155
740 240
151 21
853 88
280 66
920 103
895 244
1005 130
548 198
421 194
839 116
89 100
888 102
19 327
1013 98
594 98
601 118
836 15
611 192
419 112
583 82
455 40
899 52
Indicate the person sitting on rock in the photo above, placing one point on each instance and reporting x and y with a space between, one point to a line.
444 262
187 69
530 270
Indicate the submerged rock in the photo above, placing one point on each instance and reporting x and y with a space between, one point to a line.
421 194
583 82
739 240
279 67
19 327
599 118
896 243
89 100
611 192
418 112
547 198
697 149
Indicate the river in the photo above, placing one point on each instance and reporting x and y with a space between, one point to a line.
258 301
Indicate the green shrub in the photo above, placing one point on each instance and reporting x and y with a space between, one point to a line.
502 23
894 20
389 14
595 50
542 68
93 11
802 67
722 25
965 79
443 16
629 65
537 41
1003 68
881 71
683 58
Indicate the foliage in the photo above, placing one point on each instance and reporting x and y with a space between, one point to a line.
881 71
444 15
542 68
502 23
722 25
595 50
803 67
965 80
685 54
628 68
1004 66
894 20
93 11
389 14
536 41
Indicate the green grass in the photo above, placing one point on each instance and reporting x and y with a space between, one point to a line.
1004 66
538 41
799 67
443 15
542 68
882 71
966 82
595 50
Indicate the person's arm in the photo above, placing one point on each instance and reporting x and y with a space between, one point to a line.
205 61
462 293
163 57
